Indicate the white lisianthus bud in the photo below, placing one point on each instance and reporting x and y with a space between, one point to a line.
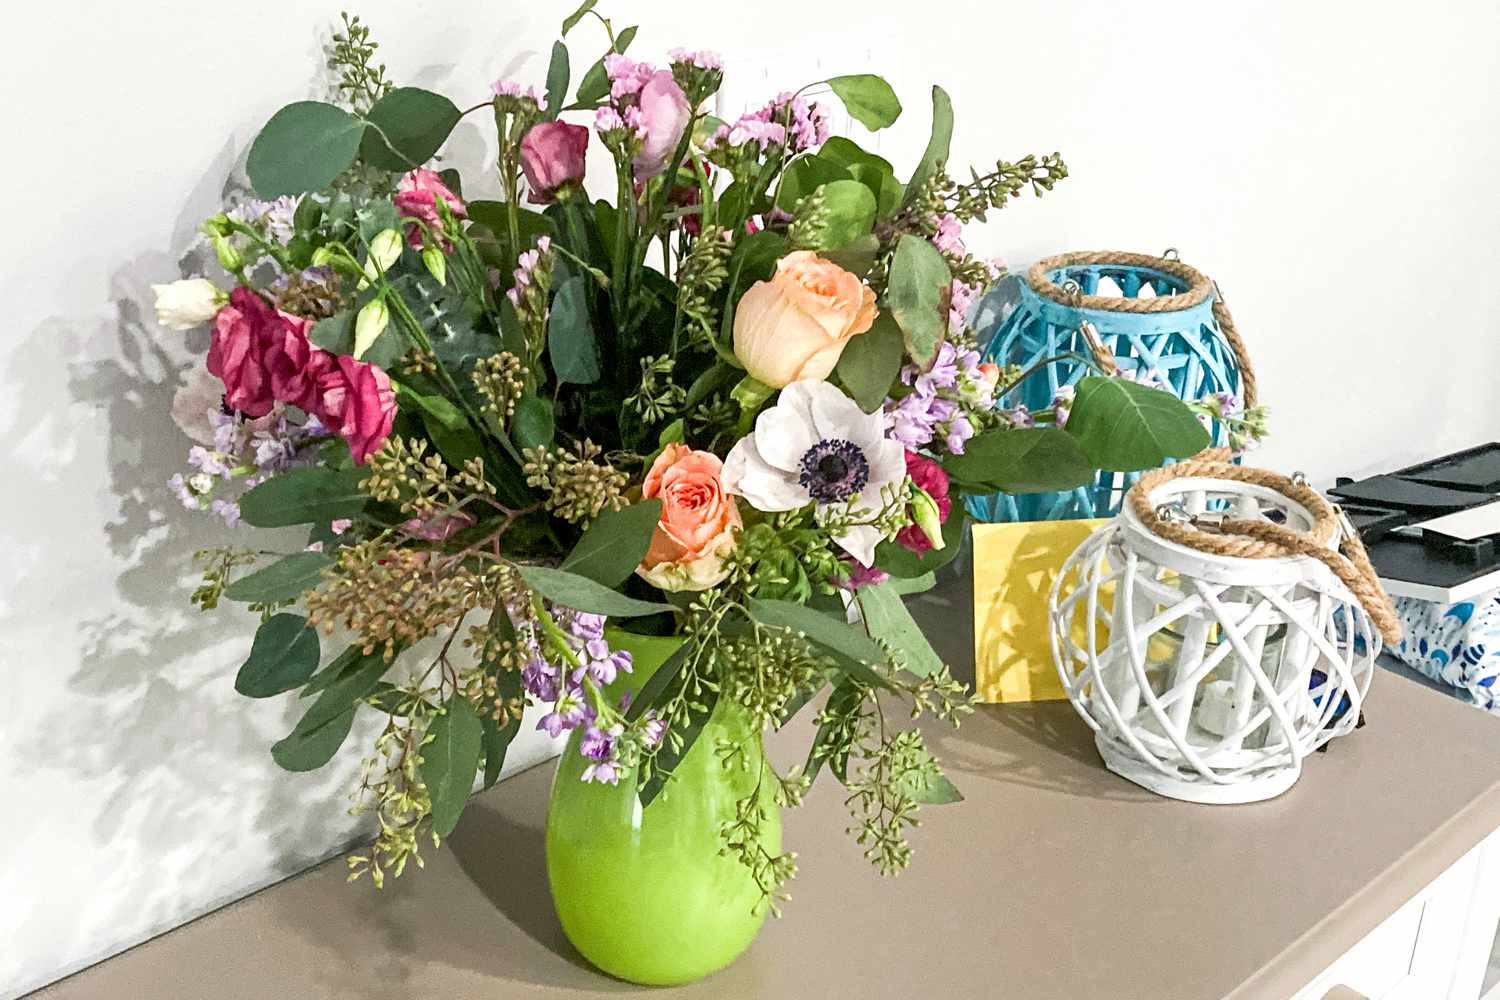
189 303
925 514
437 264
385 250
369 325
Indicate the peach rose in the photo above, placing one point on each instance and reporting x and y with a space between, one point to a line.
795 326
698 521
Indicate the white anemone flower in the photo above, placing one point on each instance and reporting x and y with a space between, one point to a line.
817 446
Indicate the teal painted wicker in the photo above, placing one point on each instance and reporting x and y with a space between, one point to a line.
1183 337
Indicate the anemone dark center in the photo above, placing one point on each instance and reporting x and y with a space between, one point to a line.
834 471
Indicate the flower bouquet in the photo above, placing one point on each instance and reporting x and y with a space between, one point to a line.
663 466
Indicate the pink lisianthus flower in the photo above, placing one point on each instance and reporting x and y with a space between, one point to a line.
417 196
356 401
930 477
664 115
295 364
243 332
552 157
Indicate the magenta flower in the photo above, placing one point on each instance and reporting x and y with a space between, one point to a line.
552 157
930 477
417 197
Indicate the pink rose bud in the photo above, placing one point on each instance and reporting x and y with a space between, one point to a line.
664 115
552 155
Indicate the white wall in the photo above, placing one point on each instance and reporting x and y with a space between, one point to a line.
1331 164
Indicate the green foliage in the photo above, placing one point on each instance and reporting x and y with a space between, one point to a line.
533 423
615 543
871 361
311 495
936 153
571 345
571 21
304 147
349 686
874 172
450 761
557 79
904 564
868 98
284 580
336 334
582 594
1123 426
283 656
918 289
594 86
1021 460
851 649
407 126
309 748
889 622
837 214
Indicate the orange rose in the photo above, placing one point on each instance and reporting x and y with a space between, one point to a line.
795 326
698 521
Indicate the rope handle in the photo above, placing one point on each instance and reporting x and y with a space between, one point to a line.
1199 288
1247 539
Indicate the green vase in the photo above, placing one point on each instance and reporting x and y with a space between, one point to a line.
644 894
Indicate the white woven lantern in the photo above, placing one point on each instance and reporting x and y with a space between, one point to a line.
1209 676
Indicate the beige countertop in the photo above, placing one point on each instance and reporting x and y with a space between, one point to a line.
1055 880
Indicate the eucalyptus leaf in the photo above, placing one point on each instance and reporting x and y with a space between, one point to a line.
868 98
304 147
311 749
919 280
845 211
805 175
282 657
1123 426
439 407
571 21
582 594
450 760
350 686
936 153
594 86
284 580
304 496
888 620
871 361
669 755
844 698
854 651
614 545
651 693
570 334
557 79
407 126
937 791
1021 460
875 172
532 423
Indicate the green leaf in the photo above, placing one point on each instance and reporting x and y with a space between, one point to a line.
304 496
856 257
871 361
595 83
875 172
904 564
913 585
868 98
335 669
855 652
582 594
498 738
936 153
1123 426
938 791
439 407
457 445
450 760
571 21
806 175
283 656
532 424
889 621
845 696
283 580
310 750
656 686
847 211
335 334
304 147
407 126
754 259
919 279
350 686
557 79
669 756
570 334
1021 460
615 543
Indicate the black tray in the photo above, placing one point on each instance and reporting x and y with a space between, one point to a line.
1397 493
1476 469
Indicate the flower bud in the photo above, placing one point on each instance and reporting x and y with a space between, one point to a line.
322 257
216 225
183 305
229 258
385 250
369 325
926 515
436 263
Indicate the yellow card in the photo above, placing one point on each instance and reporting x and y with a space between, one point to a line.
1015 566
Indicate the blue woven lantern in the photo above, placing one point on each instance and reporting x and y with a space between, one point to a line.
1177 333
